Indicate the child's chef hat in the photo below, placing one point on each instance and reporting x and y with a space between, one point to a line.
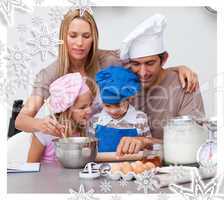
65 90
116 84
145 40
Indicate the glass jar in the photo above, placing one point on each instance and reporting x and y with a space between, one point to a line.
182 139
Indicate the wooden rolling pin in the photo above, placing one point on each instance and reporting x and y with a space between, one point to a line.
111 156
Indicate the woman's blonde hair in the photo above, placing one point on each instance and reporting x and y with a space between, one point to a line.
91 66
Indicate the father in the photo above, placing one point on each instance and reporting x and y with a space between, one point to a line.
162 96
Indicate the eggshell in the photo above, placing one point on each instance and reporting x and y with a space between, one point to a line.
115 175
115 167
126 167
129 176
138 167
149 165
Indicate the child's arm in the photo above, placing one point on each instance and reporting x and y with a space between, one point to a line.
130 145
36 150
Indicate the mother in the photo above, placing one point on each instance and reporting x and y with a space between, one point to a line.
79 53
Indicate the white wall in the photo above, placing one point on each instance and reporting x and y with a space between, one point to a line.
190 39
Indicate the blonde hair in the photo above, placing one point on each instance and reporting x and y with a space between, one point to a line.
65 118
91 66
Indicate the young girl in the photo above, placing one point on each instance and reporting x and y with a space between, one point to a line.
70 100
118 118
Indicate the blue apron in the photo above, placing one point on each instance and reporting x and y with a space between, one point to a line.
109 138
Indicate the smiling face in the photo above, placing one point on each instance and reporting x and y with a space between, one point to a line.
81 110
79 39
148 69
118 110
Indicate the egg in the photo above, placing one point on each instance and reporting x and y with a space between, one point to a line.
115 167
138 162
149 165
126 167
138 167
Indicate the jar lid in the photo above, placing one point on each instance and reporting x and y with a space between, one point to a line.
181 120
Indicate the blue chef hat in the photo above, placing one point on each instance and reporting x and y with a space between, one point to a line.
116 84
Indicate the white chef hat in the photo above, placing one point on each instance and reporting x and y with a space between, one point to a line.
145 40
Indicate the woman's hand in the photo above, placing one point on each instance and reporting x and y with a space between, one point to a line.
188 78
50 126
27 122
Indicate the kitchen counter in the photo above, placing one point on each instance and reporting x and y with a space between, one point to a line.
53 178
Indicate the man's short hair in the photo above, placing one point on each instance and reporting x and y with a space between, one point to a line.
161 56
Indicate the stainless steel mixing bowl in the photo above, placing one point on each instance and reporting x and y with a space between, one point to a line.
76 152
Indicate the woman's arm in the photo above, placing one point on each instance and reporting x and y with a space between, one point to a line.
25 120
188 78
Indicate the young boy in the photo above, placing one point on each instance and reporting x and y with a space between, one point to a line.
118 118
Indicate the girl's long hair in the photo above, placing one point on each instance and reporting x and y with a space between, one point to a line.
65 118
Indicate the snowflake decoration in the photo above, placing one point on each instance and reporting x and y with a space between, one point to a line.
105 186
179 172
17 73
82 194
83 5
208 170
8 90
37 21
147 181
199 190
123 183
115 197
56 15
44 42
17 77
7 8
18 58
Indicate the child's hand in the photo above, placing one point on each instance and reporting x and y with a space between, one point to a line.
50 126
130 145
